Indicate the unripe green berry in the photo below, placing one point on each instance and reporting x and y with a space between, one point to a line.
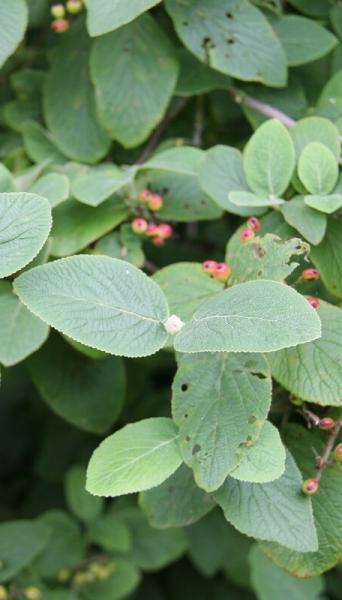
74 6
338 453
58 11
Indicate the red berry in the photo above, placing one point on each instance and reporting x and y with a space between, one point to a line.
313 301
155 202
209 266
58 11
158 241
144 195
254 224
310 486
139 225
338 453
152 229
310 274
165 231
246 234
326 423
222 272
60 25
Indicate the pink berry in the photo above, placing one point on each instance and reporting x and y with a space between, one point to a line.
254 224
158 241
155 202
58 11
310 486
326 423
139 225
209 266
313 301
144 195
165 231
310 274
338 453
222 272
152 230
246 234
60 25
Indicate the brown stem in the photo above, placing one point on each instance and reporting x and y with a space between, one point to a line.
323 460
261 107
310 417
159 132
199 123
150 266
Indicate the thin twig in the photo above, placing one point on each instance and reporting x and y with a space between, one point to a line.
324 459
159 132
199 123
150 266
261 107
310 417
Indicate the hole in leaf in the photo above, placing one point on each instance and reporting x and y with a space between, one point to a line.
184 387
252 419
229 15
196 449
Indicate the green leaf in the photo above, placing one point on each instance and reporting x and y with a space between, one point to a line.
314 8
76 225
25 222
67 545
248 199
312 371
184 200
264 461
177 502
123 581
327 507
315 129
257 316
269 159
53 186
87 393
196 78
123 244
21 333
137 457
324 203
219 35
220 173
97 184
184 160
7 183
73 124
303 39
110 532
217 415
186 287
20 543
327 257
275 511
39 144
152 549
122 314
310 223
270 582
318 168
331 92
13 22
147 71
266 257
82 504
106 15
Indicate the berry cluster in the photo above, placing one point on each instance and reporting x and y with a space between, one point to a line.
252 226
311 485
158 233
220 271
59 13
